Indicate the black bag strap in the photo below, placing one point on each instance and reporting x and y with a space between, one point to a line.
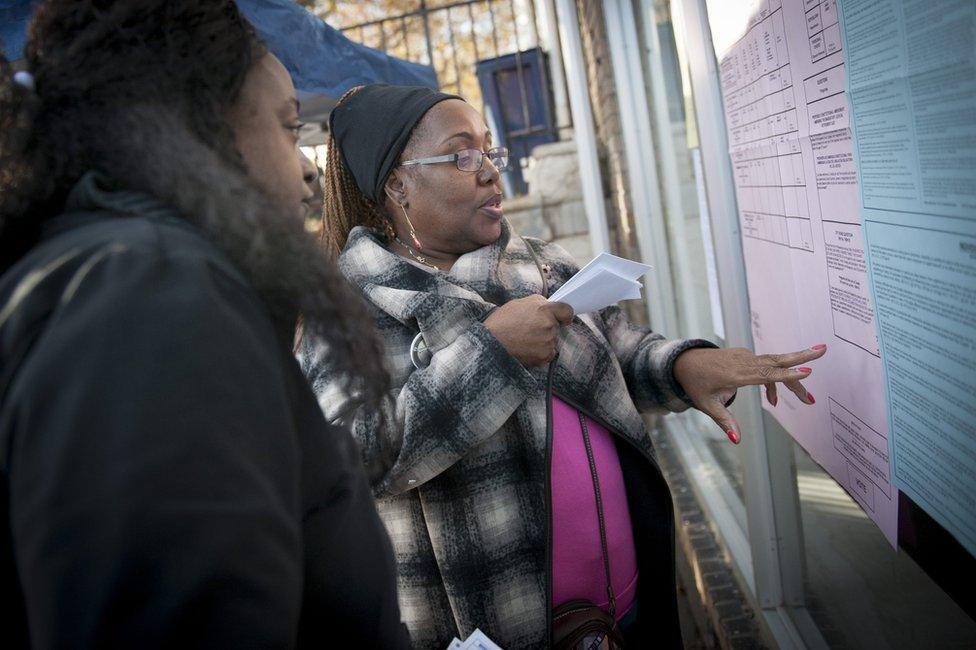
538 265
599 512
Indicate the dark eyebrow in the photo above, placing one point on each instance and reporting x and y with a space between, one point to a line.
466 135
460 134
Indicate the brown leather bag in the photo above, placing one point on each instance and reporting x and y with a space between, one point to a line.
580 624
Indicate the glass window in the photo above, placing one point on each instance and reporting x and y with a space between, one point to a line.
859 591
692 260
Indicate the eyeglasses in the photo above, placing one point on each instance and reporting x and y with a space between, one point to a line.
467 160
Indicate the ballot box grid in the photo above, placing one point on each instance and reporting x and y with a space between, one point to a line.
757 86
823 28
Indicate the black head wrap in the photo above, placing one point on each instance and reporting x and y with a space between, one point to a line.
372 127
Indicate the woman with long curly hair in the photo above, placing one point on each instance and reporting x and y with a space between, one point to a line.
168 478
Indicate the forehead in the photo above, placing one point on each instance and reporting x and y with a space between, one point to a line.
268 84
452 116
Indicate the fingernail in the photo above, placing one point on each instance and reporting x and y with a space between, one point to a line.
733 436
819 346
774 400
810 398
804 370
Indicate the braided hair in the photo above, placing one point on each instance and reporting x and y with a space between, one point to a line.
139 90
345 205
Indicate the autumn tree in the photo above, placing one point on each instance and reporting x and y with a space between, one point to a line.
461 33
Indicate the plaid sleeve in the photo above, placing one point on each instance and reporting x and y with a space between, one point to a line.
464 396
647 359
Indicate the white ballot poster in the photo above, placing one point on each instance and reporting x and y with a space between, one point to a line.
912 84
783 79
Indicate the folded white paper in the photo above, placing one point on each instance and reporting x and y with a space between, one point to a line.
477 641
605 281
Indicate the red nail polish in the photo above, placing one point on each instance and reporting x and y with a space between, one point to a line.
810 398
819 346
733 436
804 370
774 400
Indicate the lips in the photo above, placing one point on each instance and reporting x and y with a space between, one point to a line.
493 206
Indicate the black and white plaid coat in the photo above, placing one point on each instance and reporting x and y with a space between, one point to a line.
464 494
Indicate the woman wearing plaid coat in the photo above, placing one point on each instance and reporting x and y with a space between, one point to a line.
509 413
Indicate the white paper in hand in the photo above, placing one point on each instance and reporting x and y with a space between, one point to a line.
605 281
604 288
478 641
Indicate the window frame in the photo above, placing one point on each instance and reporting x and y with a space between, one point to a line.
765 546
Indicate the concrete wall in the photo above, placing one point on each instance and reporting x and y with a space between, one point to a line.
553 208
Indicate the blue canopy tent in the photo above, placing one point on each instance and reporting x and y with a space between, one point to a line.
323 63
14 16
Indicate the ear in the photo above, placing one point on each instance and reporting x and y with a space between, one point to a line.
396 188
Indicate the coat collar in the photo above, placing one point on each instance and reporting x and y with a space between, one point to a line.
96 192
443 305
483 275
439 303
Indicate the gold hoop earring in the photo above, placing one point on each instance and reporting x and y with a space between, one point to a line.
413 233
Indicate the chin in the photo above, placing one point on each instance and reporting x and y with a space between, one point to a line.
489 233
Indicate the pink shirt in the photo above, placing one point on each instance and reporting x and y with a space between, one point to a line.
577 555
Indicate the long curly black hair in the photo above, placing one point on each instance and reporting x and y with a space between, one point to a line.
138 90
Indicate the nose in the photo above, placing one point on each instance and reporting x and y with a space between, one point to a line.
309 171
488 172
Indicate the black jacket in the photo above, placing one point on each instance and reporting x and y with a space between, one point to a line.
168 478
